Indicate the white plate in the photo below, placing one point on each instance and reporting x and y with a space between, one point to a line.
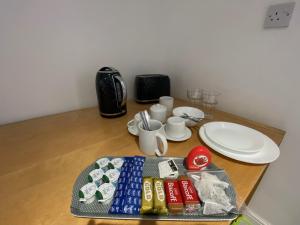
227 149
131 128
187 135
191 111
234 136
269 153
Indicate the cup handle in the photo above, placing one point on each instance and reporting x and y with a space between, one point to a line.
164 142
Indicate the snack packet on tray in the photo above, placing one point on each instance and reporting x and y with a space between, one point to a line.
127 198
173 196
189 194
215 191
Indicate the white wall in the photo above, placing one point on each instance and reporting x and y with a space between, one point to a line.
50 51
222 45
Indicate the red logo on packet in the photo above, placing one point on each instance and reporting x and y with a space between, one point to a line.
171 192
186 190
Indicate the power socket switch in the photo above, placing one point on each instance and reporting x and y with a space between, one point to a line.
279 15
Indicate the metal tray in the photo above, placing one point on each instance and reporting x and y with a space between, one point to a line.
100 211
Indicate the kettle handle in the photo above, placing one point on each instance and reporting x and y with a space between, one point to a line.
124 92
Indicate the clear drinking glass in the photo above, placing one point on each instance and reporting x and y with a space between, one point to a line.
209 100
194 95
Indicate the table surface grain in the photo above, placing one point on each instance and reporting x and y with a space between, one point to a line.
41 158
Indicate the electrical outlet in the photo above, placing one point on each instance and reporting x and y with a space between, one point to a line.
279 15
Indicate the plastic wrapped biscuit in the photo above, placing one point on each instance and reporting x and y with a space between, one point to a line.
147 196
159 197
189 194
173 196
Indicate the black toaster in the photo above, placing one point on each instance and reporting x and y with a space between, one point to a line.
149 87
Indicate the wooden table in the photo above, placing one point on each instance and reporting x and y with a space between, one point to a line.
41 158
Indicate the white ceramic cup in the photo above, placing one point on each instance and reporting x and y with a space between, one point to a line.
167 101
133 124
175 127
153 142
158 112
137 120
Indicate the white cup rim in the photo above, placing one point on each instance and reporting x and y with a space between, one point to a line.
158 108
175 118
151 120
166 97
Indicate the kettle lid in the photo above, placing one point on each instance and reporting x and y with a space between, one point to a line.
107 69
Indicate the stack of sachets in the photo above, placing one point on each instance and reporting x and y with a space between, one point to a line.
127 198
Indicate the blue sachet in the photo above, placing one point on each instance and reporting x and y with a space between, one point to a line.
127 198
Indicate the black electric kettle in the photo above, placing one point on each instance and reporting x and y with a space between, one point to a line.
111 92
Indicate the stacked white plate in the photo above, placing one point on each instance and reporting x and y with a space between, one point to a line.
239 142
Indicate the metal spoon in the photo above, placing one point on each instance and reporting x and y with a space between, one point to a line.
195 119
147 116
144 120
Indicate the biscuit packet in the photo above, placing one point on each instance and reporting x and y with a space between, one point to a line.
159 204
147 196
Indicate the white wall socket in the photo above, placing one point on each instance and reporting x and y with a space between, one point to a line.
279 15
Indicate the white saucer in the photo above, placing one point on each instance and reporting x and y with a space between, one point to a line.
187 135
132 129
269 152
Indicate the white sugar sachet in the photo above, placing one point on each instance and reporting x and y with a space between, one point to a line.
212 208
